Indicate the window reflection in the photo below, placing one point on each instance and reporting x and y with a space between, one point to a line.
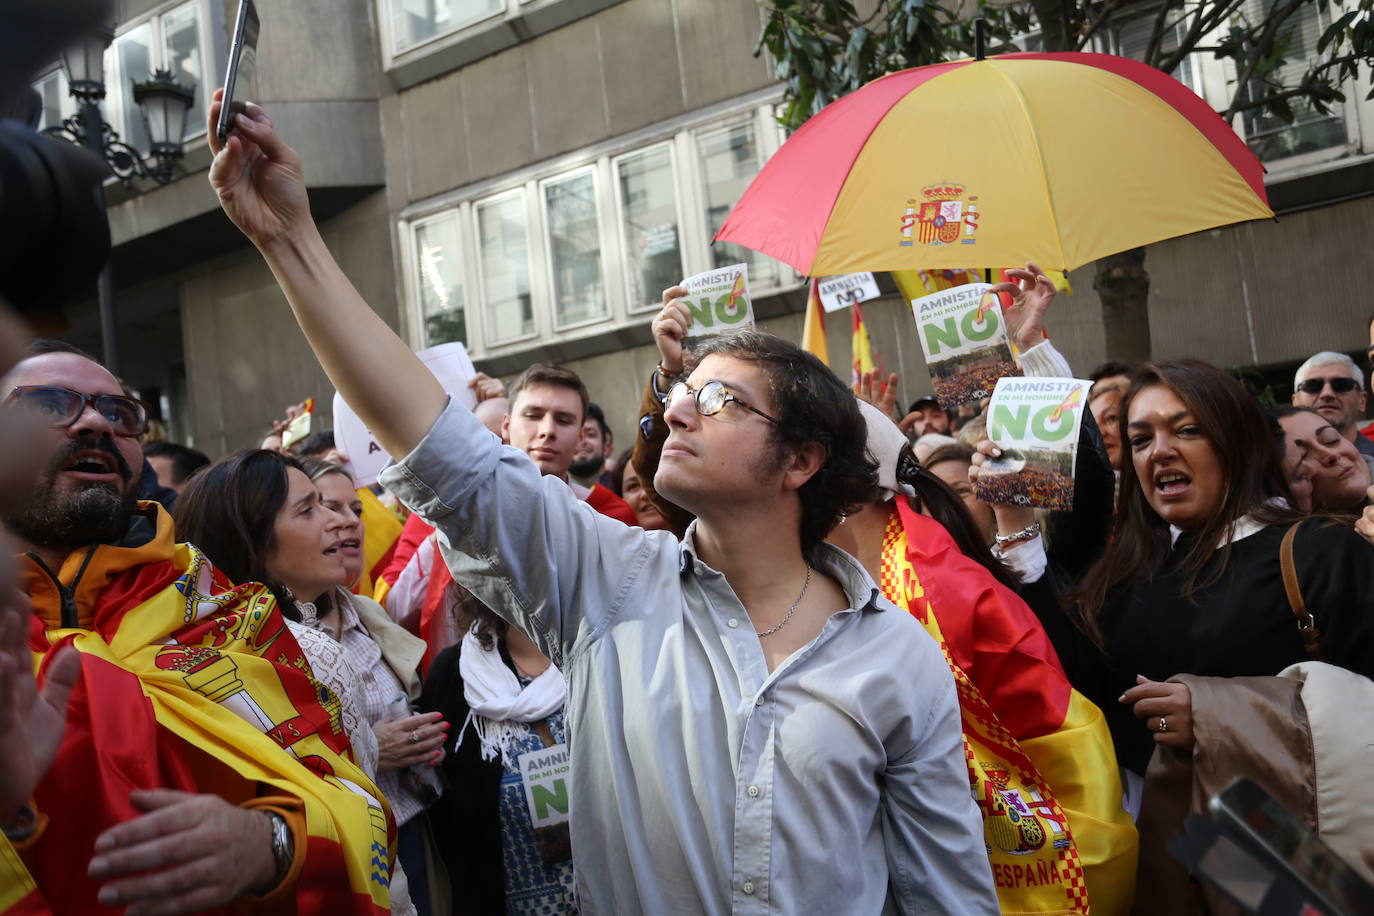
649 222
574 249
505 268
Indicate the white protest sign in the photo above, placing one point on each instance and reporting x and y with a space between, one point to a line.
453 368
719 301
546 777
1035 422
965 342
844 290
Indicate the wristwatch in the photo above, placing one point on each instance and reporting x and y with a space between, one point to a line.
283 846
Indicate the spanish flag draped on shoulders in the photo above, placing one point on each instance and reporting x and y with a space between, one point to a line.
190 683
1040 758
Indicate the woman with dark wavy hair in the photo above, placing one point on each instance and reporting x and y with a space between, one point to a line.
1191 582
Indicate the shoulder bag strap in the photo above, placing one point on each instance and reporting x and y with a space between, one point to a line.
1307 626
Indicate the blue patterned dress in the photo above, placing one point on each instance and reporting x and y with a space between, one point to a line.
532 888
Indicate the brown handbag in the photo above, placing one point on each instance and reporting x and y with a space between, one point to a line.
1307 626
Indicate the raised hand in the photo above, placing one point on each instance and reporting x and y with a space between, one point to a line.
1031 294
881 394
670 327
31 720
484 387
257 177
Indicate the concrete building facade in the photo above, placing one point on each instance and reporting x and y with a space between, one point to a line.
526 176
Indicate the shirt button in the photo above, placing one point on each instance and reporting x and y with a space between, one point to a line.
732 623
759 701
748 887
753 791
701 568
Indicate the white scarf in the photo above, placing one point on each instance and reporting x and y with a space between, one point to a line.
496 701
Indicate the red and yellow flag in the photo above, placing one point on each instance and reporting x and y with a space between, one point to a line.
381 529
1040 758
190 683
862 347
813 330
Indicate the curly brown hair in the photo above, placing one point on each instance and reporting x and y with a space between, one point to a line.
811 405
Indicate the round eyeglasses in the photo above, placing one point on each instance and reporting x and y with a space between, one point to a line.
61 407
711 399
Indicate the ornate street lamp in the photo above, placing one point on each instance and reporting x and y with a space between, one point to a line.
164 104
84 61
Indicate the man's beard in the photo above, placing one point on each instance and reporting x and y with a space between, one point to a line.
86 513
590 467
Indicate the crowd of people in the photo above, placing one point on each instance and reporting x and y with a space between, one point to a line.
775 656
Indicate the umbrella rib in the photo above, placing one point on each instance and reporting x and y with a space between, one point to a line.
1040 159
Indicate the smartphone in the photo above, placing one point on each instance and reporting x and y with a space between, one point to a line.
1257 821
243 59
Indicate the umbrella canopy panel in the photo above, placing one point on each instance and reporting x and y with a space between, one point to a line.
1056 158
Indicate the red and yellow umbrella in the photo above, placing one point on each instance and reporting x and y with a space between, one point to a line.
1055 158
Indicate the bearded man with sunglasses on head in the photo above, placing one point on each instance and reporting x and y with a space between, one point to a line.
199 759
1333 385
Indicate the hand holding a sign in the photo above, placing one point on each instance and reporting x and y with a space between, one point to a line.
1031 294
670 327
1162 703
1011 518
484 387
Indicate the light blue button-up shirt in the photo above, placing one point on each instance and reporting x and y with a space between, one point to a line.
702 782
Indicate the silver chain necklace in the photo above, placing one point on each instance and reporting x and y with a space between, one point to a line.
790 611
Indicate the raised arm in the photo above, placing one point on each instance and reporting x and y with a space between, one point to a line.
262 189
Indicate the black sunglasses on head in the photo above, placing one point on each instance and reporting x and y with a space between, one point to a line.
1340 385
61 407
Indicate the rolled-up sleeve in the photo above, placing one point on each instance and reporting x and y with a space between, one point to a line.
521 542
936 858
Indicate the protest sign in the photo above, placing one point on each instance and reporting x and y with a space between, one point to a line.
299 427
965 341
1035 422
453 368
719 301
545 774
846 289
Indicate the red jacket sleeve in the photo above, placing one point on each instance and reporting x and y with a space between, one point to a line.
607 503
412 535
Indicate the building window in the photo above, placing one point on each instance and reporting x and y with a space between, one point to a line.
588 243
1309 131
1131 38
505 266
574 248
415 22
173 41
647 191
438 267
730 158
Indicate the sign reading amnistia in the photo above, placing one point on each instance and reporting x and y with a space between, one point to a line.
1035 422
964 338
719 300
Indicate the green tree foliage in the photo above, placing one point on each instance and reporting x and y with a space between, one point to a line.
825 48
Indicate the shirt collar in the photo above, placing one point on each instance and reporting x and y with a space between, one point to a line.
1240 529
859 588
